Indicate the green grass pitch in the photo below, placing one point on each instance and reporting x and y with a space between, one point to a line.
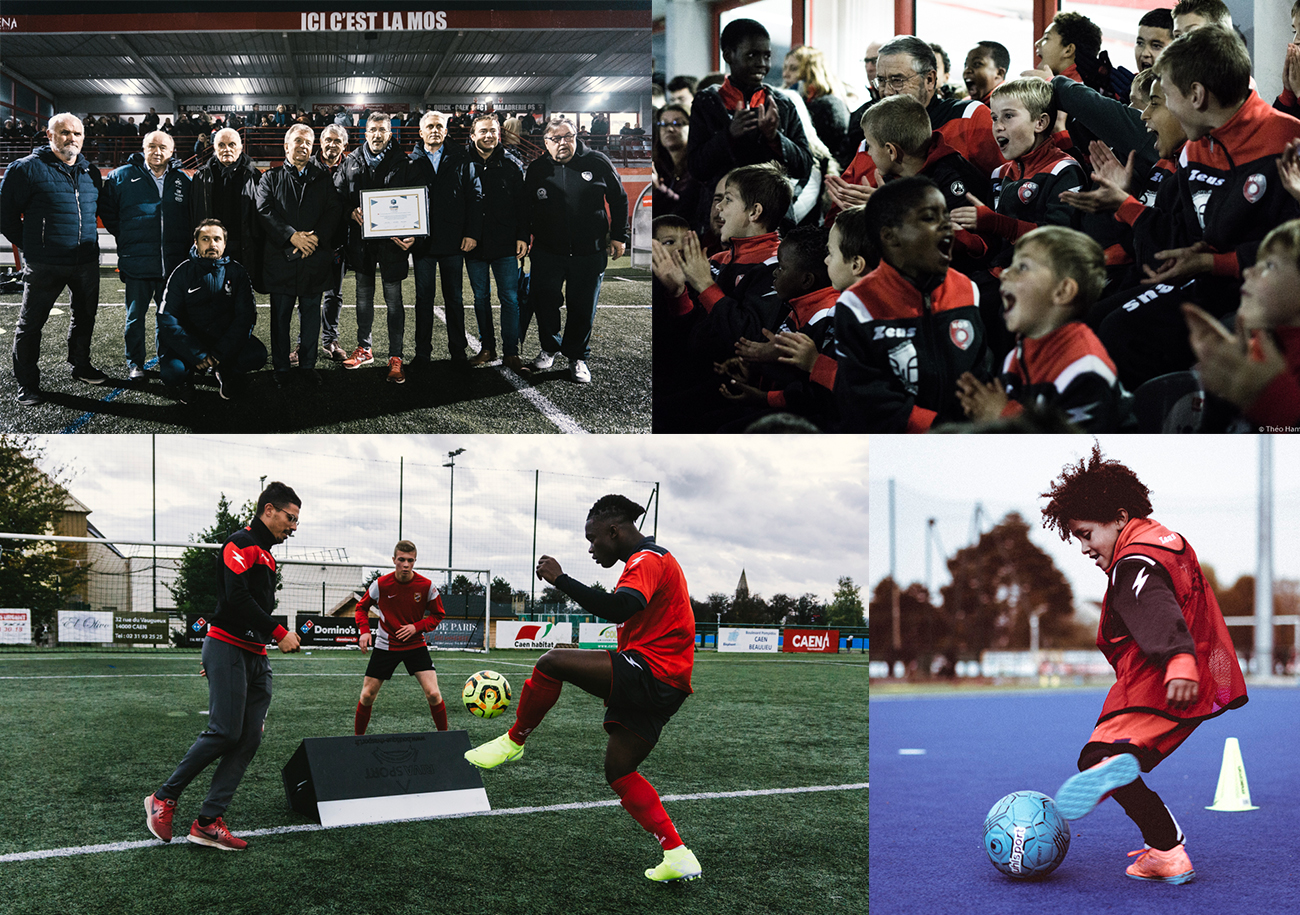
88 735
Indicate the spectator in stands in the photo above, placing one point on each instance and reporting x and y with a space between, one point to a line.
281 119
499 188
301 219
395 122
342 118
599 131
202 147
676 192
744 121
149 122
47 211
225 189
986 69
567 191
943 70
510 133
206 319
681 89
1155 32
823 93
146 206
1287 101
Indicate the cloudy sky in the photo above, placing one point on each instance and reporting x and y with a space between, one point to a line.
1205 487
791 511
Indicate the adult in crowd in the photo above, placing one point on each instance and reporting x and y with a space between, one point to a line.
206 318
567 191
744 121
503 238
47 211
333 147
681 91
146 206
853 136
226 189
301 219
455 225
822 92
676 192
376 163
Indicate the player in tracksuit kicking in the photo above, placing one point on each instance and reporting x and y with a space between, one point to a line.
1163 632
643 683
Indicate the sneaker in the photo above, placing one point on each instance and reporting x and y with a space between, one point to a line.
29 397
88 374
360 356
579 372
1171 866
334 351
293 358
135 374
395 370
158 816
216 836
543 361
484 356
1082 792
495 752
679 865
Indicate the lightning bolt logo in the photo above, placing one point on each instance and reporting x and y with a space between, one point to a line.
1139 581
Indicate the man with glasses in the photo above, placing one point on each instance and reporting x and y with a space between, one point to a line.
745 121
853 139
567 191
238 672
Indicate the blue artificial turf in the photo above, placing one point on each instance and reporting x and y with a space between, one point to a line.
927 810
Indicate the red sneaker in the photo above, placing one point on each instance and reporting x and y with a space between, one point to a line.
1171 866
158 816
217 836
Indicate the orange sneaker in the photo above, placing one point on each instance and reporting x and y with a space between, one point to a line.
360 356
395 374
1171 866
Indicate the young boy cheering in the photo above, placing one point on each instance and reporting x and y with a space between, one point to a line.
1163 632
643 683
408 605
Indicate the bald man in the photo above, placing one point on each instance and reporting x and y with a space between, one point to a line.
146 206
225 188
47 211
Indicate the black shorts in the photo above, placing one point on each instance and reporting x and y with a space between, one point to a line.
383 662
637 700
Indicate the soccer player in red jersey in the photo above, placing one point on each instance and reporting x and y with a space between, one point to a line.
1163 632
408 605
643 683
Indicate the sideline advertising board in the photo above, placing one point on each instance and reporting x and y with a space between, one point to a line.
15 626
533 635
327 631
92 626
824 640
141 628
598 635
747 640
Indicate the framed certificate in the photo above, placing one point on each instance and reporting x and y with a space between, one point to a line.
395 212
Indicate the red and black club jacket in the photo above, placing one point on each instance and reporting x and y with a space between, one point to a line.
807 393
1067 370
740 303
246 590
1230 195
1027 194
1149 218
900 349
1141 678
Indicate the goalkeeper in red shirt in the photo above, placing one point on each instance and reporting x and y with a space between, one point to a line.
408 605
643 683
1163 632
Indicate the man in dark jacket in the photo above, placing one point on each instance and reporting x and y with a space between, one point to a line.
206 318
146 206
376 163
47 211
445 171
237 670
301 215
225 188
567 191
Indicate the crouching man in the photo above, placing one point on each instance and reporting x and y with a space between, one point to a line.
207 317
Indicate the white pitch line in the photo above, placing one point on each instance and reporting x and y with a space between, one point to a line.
70 851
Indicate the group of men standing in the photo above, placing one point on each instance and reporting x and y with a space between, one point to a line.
293 231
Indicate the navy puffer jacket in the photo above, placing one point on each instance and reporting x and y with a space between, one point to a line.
153 233
47 209
207 310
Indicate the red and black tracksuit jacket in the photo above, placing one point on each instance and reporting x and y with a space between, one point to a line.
956 177
246 590
740 303
901 347
1279 404
1149 218
1068 371
808 394
1027 194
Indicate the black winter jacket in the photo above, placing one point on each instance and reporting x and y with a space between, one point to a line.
454 210
229 193
288 202
208 309
566 203
355 175
499 183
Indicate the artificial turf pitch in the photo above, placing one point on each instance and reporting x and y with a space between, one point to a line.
441 399
88 735
928 808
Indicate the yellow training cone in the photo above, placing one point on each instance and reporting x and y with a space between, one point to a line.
1233 793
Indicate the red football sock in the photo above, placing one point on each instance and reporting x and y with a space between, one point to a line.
363 718
439 714
640 799
540 692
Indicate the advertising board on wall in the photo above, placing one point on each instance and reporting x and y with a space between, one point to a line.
747 640
15 626
825 640
141 628
533 635
598 635
92 626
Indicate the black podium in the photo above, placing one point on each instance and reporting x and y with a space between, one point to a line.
339 781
